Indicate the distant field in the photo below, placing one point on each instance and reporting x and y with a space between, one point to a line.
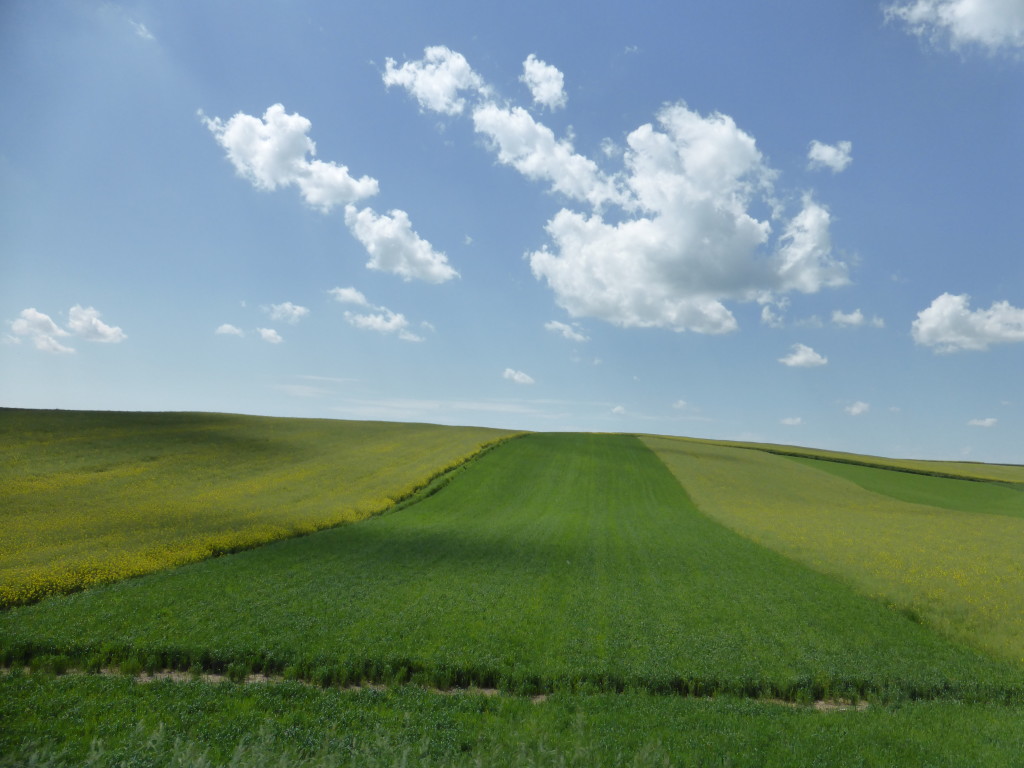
959 566
1000 473
91 497
553 563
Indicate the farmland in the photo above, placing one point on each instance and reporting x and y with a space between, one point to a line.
643 601
95 497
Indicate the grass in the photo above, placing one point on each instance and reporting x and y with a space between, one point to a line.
945 492
93 497
554 563
118 722
955 567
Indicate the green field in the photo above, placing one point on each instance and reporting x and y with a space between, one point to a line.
631 601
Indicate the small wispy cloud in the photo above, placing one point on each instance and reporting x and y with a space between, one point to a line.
857 408
227 329
517 376
566 331
989 422
792 421
141 30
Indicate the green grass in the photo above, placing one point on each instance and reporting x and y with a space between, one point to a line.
961 572
552 563
90 497
118 722
945 492
970 470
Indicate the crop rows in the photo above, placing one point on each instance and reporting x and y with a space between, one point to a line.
957 568
567 563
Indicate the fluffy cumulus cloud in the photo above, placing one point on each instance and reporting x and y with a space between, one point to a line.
533 149
855 318
834 157
276 151
950 325
803 356
269 335
517 376
993 25
437 80
546 83
83 322
395 247
697 221
378 319
41 330
566 331
227 329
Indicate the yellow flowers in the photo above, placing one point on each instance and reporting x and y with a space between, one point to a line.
90 498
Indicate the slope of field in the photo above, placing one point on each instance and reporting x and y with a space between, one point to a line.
955 567
946 492
89 497
996 473
552 563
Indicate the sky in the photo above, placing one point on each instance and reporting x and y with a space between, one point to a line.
718 220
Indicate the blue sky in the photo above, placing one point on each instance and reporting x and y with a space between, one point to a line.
709 219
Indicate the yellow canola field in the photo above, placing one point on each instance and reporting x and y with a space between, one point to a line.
88 498
960 572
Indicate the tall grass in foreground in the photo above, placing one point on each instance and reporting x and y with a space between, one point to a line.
553 563
116 722
92 497
958 569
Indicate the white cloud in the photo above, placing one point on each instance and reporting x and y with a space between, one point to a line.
851 319
773 315
618 410
437 80
792 421
141 30
834 157
349 296
269 335
41 330
229 330
532 149
272 152
383 320
290 313
379 319
394 246
949 325
517 376
857 408
695 226
85 322
989 422
803 356
990 24
697 245
570 332
546 83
